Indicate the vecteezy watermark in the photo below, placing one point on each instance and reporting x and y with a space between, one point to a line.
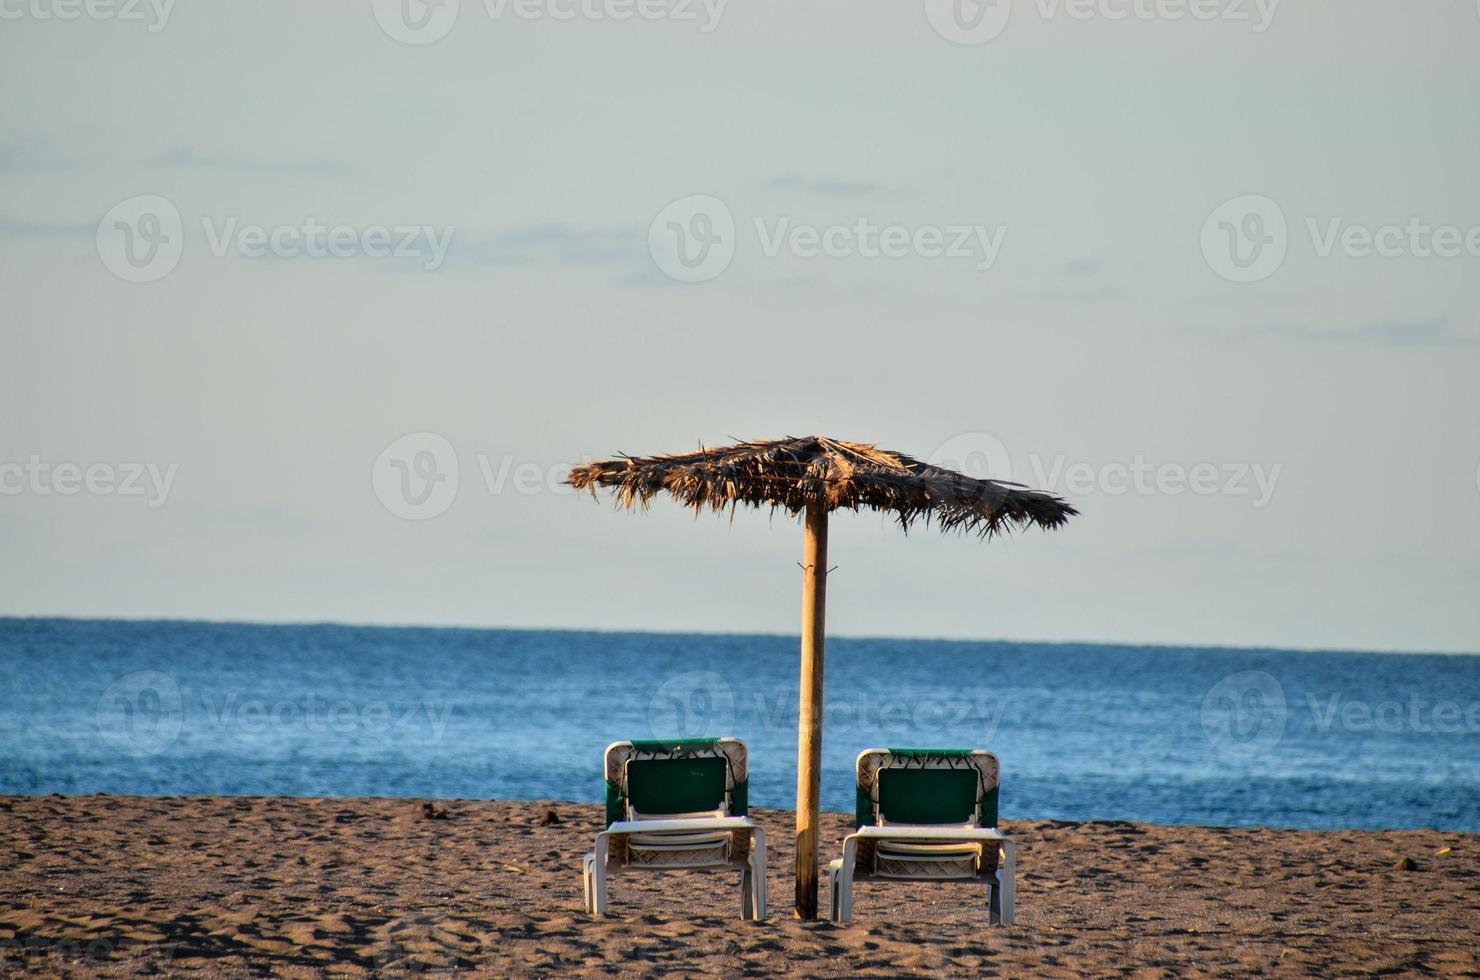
67 479
415 21
425 21
979 455
417 476
694 704
38 954
983 456
1245 714
1415 714
1246 239
142 238
311 239
968 21
866 239
318 714
965 713
979 21
704 13
702 704
420 944
693 239
142 714
153 13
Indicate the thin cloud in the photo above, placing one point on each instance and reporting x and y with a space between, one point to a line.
556 244
1074 282
829 186
186 157
797 282
12 228
1088 294
1426 333
35 157
1080 268
650 278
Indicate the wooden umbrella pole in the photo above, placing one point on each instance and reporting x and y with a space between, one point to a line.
809 713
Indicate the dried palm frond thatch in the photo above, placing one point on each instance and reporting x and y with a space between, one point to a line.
797 473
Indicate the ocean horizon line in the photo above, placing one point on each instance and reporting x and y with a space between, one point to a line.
832 637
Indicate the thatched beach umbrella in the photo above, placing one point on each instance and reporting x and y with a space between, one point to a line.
813 476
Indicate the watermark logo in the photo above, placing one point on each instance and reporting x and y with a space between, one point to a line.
982 456
66 479
968 21
141 239
419 476
420 945
415 21
1259 14
971 714
33 953
979 21
314 714
705 12
979 455
1416 715
1245 239
416 476
1416 238
1244 714
155 13
695 704
140 714
425 21
693 238
312 239
866 239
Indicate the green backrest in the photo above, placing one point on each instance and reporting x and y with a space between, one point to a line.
911 793
927 795
657 786
677 775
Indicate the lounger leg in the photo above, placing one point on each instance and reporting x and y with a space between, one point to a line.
832 889
843 889
586 881
747 892
758 873
1008 876
598 876
994 899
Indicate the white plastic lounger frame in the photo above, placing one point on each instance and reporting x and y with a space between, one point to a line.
752 873
927 848
1001 884
657 841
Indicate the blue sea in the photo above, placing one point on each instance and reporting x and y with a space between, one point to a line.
1317 739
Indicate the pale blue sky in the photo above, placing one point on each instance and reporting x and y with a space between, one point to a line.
1100 336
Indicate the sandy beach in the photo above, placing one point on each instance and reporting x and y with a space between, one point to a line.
101 885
